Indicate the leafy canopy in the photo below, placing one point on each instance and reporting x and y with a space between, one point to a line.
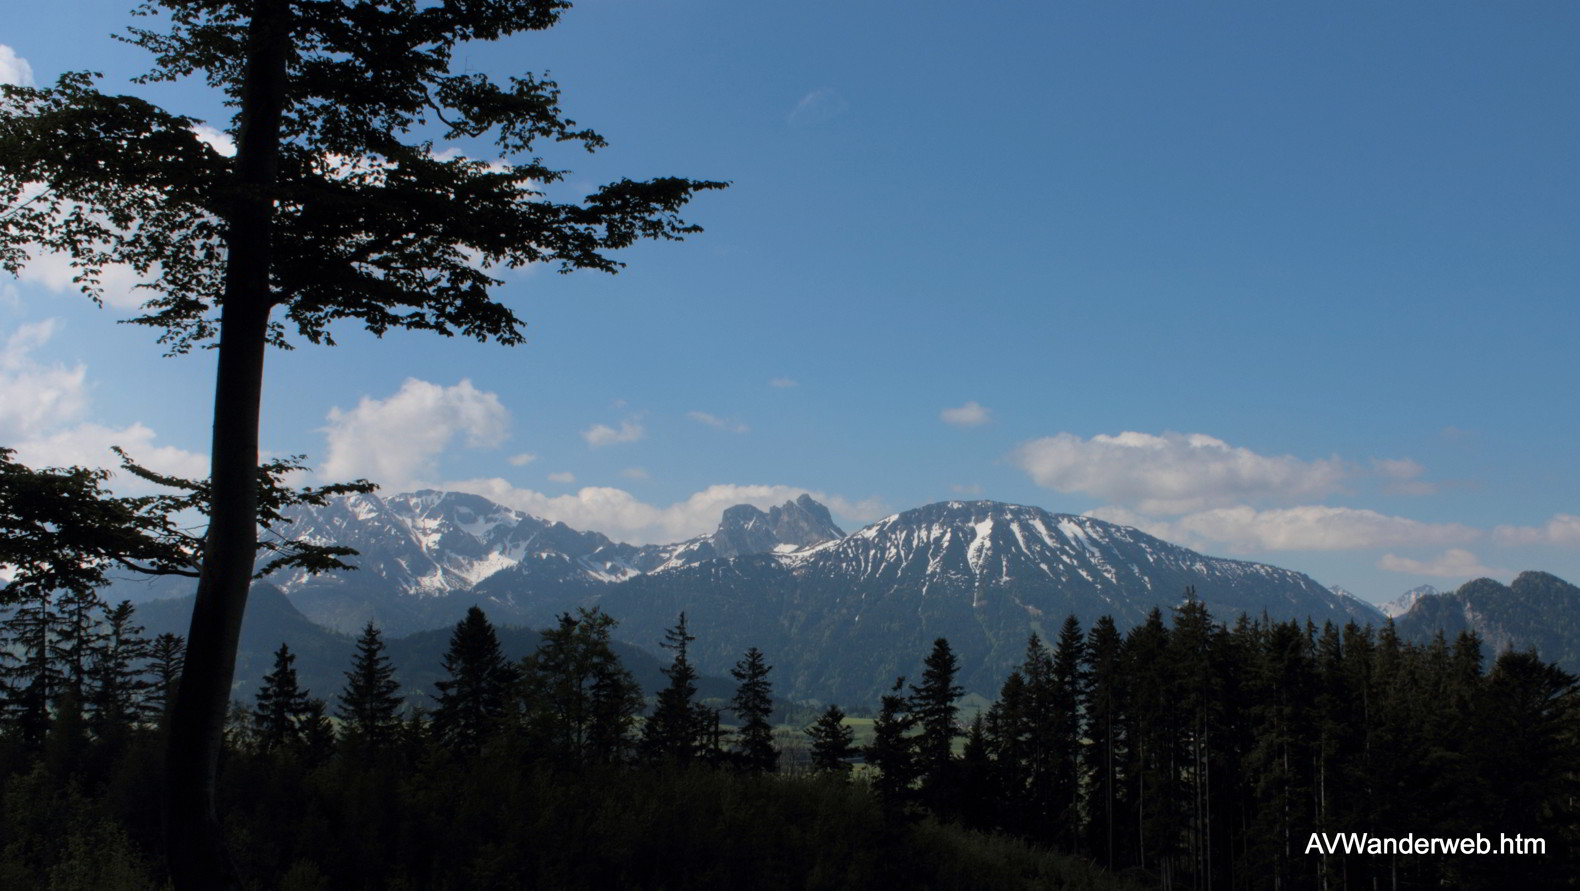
370 224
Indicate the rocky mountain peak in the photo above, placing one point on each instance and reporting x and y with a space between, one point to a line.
803 523
745 529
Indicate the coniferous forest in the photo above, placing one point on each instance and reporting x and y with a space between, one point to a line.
1182 754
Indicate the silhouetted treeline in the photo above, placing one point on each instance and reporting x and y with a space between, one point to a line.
1203 756
1182 754
534 773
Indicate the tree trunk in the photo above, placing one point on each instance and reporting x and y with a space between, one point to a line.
194 841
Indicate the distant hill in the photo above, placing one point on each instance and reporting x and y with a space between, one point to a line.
1536 610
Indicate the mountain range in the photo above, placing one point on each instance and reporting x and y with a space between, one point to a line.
840 615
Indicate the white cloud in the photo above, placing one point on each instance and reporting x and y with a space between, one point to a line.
1174 473
817 107
969 415
88 445
1243 529
1453 563
217 139
118 282
622 516
42 415
635 473
396 442
783 383
564 476
35 397
522 460
1562 530
717 422
14 69
602 434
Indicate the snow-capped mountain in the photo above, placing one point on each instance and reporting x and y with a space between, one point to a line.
843 614
419 551
847 616
1397 607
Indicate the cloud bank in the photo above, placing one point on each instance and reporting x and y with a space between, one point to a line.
1174 473
1245 530
624 517
1455 563
396 442
42 415
1563 530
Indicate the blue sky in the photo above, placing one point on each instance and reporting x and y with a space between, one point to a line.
1293 283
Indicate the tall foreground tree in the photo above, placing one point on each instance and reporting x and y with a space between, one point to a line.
577 700
753 706
370 702
334 206
674 731
474 693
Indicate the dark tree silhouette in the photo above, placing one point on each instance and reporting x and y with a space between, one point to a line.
116 684
370 703
932 705
282 706
166 657
578 701
892 752
675 731
833 742
472 696
754 705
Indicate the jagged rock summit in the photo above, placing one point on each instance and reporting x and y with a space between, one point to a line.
745 530
421 553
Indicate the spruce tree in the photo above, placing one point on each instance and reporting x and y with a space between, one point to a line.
932 703
1102 759
753 706
166 658
577 700
833 742
78 637
472 697
116 681
370 704
1067 696
676 730
31 669
893 751
281 705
